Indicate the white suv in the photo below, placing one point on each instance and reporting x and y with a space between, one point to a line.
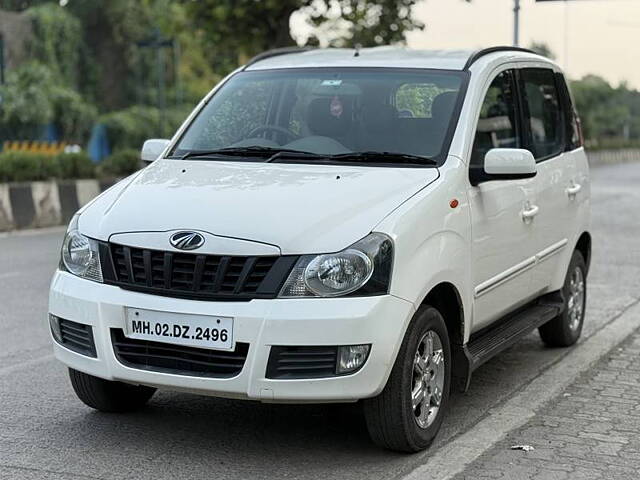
336 226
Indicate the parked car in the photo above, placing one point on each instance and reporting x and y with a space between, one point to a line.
336 226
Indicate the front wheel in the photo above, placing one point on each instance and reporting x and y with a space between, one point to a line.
565 329
109 396
408 413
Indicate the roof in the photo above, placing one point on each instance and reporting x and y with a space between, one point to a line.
398 57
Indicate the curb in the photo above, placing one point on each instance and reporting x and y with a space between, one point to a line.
45 204
452 458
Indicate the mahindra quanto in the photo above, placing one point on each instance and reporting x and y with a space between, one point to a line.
336 226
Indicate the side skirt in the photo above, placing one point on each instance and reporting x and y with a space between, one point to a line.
489 342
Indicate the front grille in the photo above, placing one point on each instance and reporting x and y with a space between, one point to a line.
77 337
178 359
198 276
302 362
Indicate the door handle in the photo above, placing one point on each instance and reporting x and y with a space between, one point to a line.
573 189
529 212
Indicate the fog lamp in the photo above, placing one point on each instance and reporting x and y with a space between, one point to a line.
352 357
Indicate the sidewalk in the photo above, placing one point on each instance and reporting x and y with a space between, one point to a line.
590 431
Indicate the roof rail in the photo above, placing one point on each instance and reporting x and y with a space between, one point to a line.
486 51
276 52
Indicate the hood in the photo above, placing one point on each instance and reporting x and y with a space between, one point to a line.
299 208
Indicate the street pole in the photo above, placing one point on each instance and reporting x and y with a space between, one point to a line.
158 43
516 23
1 60
566 35
161 83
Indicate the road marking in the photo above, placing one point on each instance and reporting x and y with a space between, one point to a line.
22 365
453 457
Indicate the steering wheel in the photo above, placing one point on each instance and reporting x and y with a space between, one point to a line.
273 128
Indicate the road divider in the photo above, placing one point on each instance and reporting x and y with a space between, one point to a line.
45 204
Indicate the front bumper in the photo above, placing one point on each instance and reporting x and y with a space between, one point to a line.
380 321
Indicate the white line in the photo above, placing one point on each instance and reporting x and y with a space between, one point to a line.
453 457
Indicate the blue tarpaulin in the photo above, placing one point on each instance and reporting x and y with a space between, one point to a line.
98 143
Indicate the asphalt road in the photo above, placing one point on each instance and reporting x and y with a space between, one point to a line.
45 432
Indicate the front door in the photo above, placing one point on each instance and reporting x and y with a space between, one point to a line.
503 246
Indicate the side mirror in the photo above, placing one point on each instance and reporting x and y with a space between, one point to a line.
153 148
505 164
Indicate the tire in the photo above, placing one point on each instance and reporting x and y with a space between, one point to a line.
390 417
108 396
565 329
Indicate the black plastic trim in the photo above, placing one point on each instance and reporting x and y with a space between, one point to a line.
486 51
269 287
178 359
77 337
301 362
276 52
478 175
500 335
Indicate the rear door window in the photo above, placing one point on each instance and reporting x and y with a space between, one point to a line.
543 112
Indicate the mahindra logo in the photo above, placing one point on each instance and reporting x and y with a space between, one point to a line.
186 240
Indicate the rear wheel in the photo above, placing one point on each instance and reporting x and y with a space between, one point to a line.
108 396
408 413
565 329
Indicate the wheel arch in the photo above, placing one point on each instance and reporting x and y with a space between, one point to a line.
584 247
446 298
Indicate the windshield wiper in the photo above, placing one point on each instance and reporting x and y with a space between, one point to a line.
293 155
273 154
384 157
360 157
253 151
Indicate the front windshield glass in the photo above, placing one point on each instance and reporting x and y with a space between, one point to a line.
329 111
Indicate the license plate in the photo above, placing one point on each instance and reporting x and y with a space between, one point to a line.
201 331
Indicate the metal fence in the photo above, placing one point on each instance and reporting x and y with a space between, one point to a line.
607 157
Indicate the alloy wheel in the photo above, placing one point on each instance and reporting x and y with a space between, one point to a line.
428 379
575 302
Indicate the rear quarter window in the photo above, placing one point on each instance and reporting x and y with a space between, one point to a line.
571 118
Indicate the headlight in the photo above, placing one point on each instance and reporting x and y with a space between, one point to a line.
80 254
363 268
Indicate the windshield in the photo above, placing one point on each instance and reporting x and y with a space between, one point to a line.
328 112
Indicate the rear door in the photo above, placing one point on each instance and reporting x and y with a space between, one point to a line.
545 135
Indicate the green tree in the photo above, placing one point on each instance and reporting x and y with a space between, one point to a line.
115 67
34 96
57 41
235 30
607 112
543 49
20 5
364 23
